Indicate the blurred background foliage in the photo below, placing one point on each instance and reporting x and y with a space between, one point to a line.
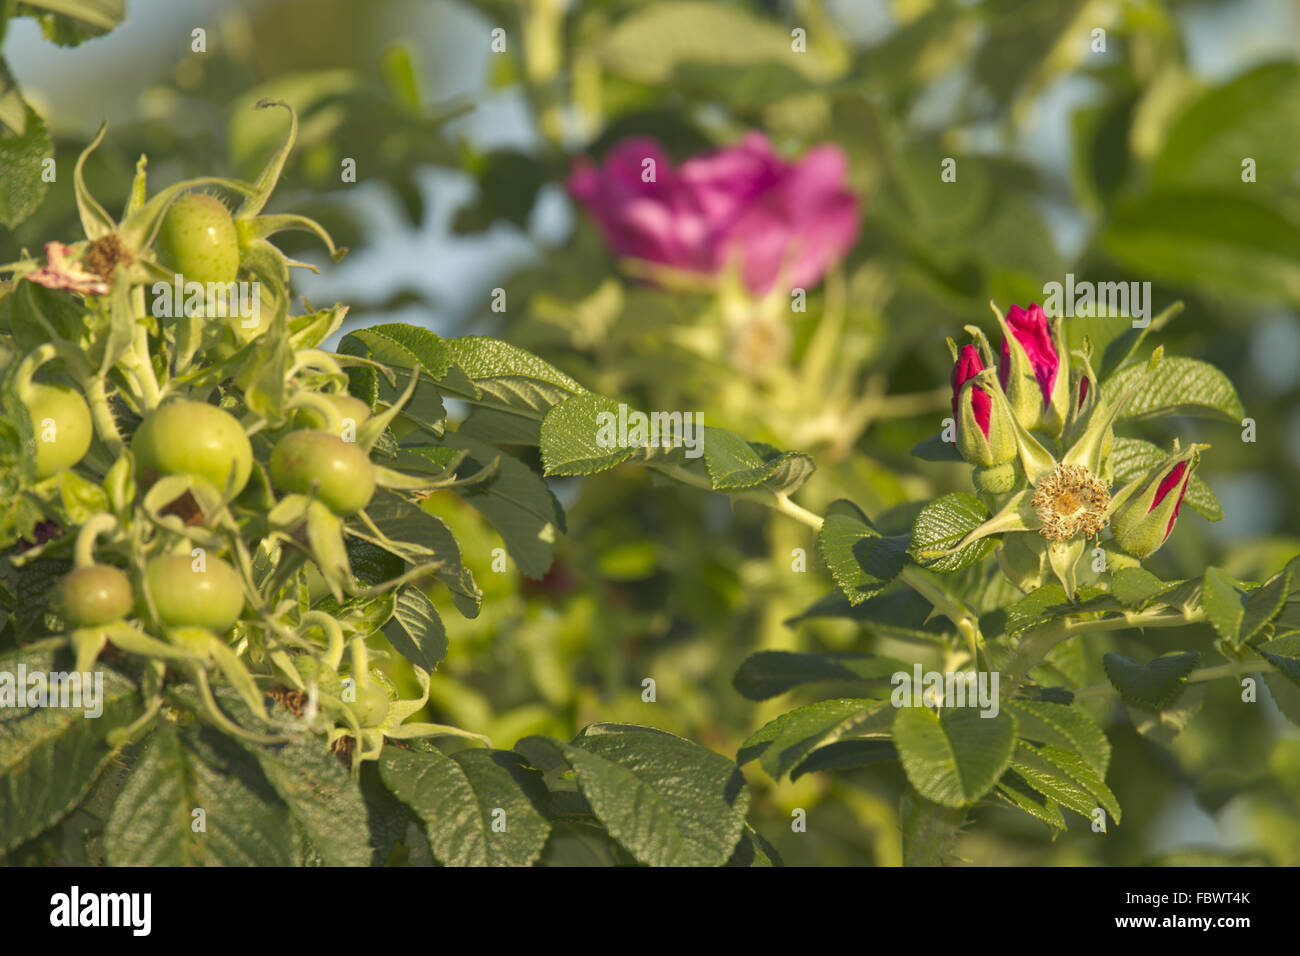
1115 162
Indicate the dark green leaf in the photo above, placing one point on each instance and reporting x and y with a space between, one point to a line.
479 807
769 674
1153 686
955 758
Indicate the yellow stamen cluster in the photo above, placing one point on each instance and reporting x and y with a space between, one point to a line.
1070 501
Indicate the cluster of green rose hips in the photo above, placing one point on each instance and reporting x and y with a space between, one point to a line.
178 483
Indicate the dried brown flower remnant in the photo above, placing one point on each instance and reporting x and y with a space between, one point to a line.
104 255
294 701
1071 501
342 748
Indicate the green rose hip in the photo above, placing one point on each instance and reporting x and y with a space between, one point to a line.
335 471
194 438
61 420
186 594
197 240
94 595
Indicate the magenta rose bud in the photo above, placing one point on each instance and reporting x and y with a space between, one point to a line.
776 221
1031 370
984 436
1143 523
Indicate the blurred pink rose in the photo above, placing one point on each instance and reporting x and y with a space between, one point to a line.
743 200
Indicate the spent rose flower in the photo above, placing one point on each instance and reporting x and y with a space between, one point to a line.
1036 381
779 220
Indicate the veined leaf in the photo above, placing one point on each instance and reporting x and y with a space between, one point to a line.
941 525
862 562
785 742
1064 726
50 755
1153 686
668 801
955 757
197 768
479 807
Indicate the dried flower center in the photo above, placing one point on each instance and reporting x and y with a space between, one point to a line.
1070 501
104 254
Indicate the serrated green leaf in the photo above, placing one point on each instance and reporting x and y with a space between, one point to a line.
568 438
753 850
1284 654
862 562
426 537
1049 603
508 377
1078 769
1048 812
783 743
1176 386
1136 587
516 502
734 464
416 630
322 798
50 756
941 525
955 758
400 345
244 822
845 755
1238 613
479 807
1164 725
1064 726
1043 776
1155 685
1286 695
1223 603
668 801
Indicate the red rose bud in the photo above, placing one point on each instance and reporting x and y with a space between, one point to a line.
1143 522
984 436
1030 370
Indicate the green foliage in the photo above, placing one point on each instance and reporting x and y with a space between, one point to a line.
484 442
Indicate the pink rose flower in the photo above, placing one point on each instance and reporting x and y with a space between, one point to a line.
787 221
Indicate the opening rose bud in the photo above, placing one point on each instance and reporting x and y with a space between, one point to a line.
1143 523
1030 370
984 436
1168 484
